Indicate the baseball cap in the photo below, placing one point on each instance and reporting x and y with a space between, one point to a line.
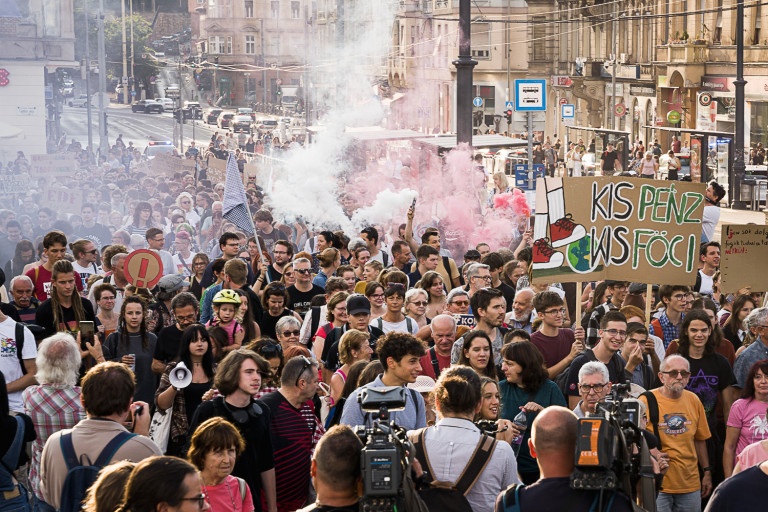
357 304
638 288
171 283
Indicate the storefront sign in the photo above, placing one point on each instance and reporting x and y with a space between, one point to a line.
673 116
626 229
714 83
642 90
561 81
619 92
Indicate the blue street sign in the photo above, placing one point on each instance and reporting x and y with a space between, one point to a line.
478 101
568 110
530 95
133 93
526 180
509 105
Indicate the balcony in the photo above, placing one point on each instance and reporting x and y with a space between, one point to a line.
682 53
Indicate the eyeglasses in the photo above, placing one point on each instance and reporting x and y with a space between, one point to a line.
377 296
279 252
420 303
303 271
95 251
199 499
241 416
680 297
484 278
675 373
615 332
307 364
291 333
192 317
461 302
586 388
560 311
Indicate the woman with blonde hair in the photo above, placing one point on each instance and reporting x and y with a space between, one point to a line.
106 493
437 299
500 186
353 347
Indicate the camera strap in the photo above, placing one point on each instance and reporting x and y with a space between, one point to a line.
653 412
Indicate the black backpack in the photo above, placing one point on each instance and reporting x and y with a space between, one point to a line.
81 473
441 496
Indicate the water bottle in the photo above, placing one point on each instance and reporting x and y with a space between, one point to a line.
521 422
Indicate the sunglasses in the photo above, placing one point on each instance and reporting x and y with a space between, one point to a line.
397 285
291 333
307 364
271 348
241 415
420 303
95 251
303 271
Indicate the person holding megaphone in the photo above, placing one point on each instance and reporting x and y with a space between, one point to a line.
184 382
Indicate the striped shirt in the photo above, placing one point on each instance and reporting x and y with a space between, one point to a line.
51 408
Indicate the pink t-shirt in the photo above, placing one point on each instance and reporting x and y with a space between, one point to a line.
752 455
222 496
749 416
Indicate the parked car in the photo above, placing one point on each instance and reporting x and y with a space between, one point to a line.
193 109
247 111
241 122
265 125
81 101
212 115
167 103
224 120
147 106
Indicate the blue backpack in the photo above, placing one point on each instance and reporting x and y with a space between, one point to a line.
80 476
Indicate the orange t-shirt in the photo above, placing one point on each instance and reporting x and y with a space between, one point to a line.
681 422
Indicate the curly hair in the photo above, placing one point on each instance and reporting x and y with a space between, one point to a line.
398 345
528 356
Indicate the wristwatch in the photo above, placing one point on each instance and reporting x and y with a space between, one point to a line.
708 468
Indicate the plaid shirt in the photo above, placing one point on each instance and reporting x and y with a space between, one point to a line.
593 324
670 330
51 408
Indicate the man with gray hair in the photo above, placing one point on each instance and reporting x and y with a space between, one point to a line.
55 403
458 302
438 357
521 316
23 298
677 417
478 277
757 351
292 426
304 289
594 385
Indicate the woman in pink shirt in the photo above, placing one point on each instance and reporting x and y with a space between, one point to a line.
748 419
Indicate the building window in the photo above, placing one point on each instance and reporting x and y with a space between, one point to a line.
295 10
275 9
539 37
220 8
481 40
250 45
220 45
249 8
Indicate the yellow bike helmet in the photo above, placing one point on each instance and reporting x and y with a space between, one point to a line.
226 297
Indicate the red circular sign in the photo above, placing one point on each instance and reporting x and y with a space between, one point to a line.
563 101
143 268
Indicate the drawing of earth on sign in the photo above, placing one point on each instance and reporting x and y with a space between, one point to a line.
579 255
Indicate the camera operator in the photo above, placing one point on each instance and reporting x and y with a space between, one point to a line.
449 446
594 385
553 444
336 471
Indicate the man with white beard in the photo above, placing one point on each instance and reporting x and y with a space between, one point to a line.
521 316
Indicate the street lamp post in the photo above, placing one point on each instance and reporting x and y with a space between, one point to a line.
734 184
464 66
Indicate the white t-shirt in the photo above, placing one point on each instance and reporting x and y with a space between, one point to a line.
9 361
86 272
180 268
706 284
709 220
386 327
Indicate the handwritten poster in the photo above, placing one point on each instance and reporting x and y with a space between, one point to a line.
743 252
628 229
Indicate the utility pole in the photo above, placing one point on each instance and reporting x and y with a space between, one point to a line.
613 73
507 51
125 58
307 21
734 184
464 66
88 79
181 112
133 64
103 142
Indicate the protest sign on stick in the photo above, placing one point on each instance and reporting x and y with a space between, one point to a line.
743 253
53 166
627 229
66 199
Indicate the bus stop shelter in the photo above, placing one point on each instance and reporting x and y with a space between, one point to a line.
603 137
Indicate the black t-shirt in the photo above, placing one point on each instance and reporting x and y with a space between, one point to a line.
168 343
556 494
615 370
44 318
98 234
268 322
609 158
326 508
271 238
300 300
509 294
710 375
747 490
258 455
331 348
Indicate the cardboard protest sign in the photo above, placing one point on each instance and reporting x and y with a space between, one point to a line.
143 268
627 229
53 166
743 252
169 165
217 170
12 184
66 199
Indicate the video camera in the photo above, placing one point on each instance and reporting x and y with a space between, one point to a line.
383 461
611 452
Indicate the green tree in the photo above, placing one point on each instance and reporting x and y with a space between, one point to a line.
145 65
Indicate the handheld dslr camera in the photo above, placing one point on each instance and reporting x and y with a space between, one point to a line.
383 461
611 452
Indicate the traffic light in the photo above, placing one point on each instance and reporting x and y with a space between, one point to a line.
279 90
509 115
215 62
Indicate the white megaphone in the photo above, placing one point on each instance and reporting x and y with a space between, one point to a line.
180 376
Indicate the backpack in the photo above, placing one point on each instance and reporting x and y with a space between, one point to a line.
440 496
80 475
20 345
562 381
658 331
408 324
434 361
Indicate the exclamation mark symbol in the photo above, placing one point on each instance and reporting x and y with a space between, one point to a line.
141 281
